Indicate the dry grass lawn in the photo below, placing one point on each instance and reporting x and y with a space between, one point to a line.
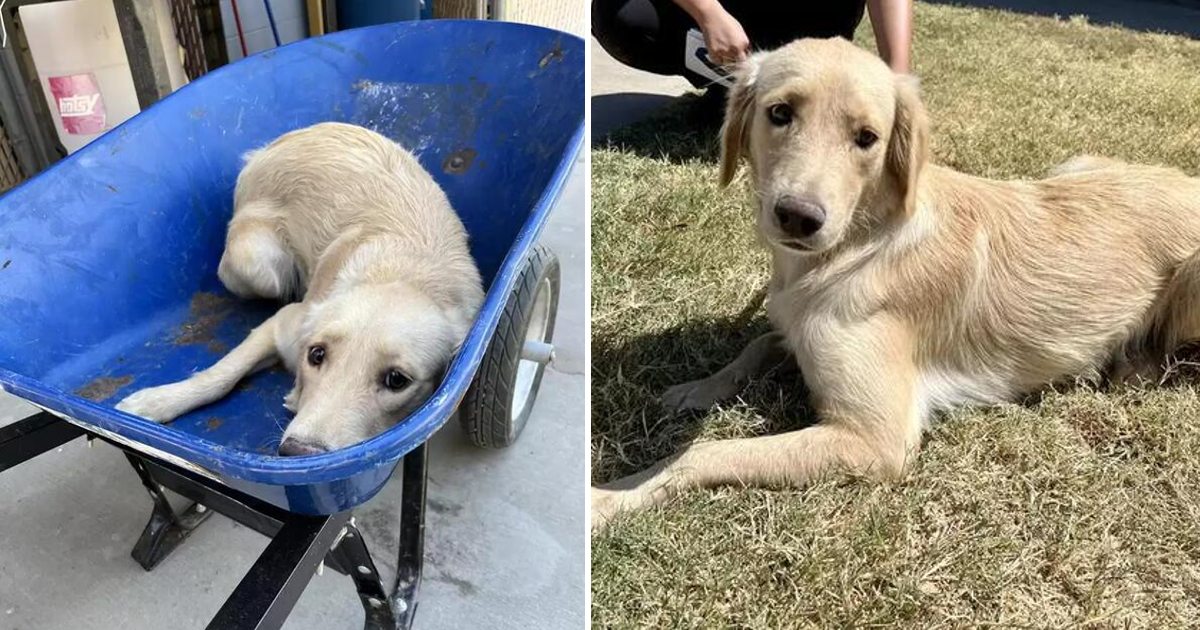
1080 508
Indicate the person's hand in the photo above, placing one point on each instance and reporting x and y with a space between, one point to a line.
724 37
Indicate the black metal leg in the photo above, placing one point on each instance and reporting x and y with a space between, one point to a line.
25 439
353 557
272 586
390 609
412 536
262 518
166 528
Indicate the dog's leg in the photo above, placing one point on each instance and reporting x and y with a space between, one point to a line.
260 350
787 460
865 384
1176 323
760 355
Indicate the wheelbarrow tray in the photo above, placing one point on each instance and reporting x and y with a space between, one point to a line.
108 259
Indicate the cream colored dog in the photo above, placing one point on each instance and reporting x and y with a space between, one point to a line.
347 220
903 288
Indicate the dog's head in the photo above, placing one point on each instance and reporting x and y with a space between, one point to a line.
365 359
831 135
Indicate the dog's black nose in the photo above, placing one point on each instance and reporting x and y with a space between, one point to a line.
799 218
292 448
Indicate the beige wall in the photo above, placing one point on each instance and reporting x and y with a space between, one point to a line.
564 15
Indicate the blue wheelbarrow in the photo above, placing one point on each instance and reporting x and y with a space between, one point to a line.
108 284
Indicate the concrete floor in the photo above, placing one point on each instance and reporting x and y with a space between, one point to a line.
505 532
621 95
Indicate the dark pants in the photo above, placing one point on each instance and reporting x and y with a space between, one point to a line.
650 35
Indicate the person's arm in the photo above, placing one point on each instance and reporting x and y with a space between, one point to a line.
723 35
892 22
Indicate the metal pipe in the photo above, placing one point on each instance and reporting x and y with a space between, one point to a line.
237 23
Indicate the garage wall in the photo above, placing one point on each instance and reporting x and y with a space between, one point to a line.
564 15
290 18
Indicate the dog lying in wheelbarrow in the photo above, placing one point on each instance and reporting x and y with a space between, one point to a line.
902 288
349 222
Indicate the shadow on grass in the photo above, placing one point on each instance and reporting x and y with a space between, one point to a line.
684 131
631 430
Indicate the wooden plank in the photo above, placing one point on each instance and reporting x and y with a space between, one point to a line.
470 9
316 18
138 21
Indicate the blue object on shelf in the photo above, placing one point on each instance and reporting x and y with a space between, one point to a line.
271 21
108 259
357 13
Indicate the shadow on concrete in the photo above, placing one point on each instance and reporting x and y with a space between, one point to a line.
680 129
613 111
1181 17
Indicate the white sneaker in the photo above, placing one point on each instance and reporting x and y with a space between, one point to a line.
696 59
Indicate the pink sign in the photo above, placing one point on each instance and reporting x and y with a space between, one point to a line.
79 103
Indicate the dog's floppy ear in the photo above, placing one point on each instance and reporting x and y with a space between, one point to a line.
908 149
331 264
739 106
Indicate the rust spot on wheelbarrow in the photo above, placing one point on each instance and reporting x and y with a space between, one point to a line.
103 387
208 310
555 54
214 423
459 161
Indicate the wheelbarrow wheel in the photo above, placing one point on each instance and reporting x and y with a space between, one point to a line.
497 405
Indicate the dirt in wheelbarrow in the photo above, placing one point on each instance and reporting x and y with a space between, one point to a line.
102 388
207 312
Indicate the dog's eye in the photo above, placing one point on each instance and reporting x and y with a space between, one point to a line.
316 355
780 114
395 380
865 138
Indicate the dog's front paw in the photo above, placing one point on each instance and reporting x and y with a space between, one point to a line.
159 404
605 505
689 396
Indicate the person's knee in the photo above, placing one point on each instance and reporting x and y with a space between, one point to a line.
613 30
643 34
607 22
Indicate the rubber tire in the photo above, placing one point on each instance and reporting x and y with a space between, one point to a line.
486 409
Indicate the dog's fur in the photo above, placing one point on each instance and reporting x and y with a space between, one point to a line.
925 288
348 221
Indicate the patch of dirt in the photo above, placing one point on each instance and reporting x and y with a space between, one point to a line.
103 387
208 310
214 423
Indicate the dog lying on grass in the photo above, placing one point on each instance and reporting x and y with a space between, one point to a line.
349 222
902 288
